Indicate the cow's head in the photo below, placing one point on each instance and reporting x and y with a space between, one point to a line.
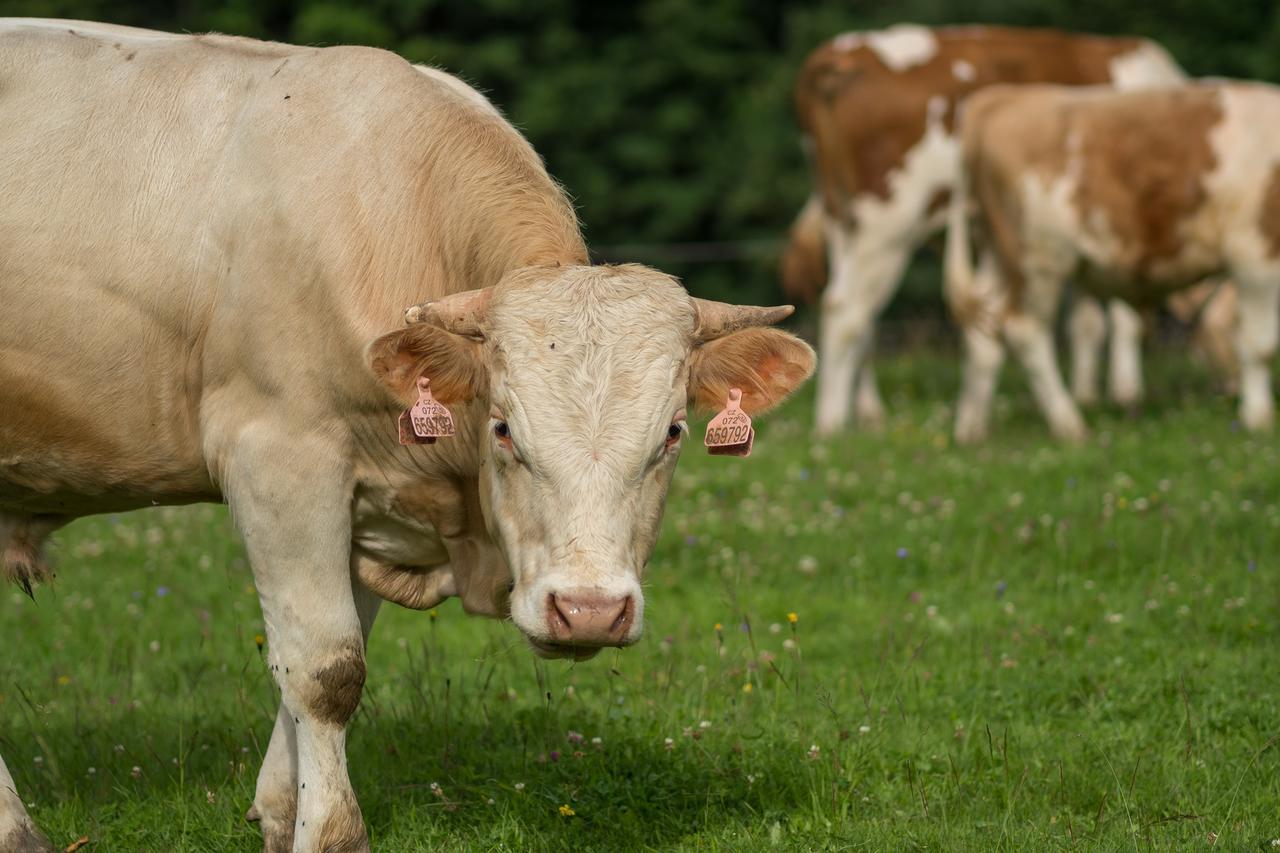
587 374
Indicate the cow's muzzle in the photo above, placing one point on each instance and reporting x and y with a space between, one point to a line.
589 619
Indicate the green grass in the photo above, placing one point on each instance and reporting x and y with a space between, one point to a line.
1023 646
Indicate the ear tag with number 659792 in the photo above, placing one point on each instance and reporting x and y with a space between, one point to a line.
427 419
730 432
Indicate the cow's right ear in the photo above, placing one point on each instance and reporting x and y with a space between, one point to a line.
453 363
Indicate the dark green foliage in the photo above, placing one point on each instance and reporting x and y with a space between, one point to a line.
670 121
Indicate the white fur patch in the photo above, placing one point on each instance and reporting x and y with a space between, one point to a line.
964 71
900 47
1148 67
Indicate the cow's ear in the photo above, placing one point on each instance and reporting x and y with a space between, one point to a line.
767 364
454 364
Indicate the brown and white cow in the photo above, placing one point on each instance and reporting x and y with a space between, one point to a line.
207 245
877 110
1131 194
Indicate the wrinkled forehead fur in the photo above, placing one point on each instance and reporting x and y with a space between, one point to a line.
595 355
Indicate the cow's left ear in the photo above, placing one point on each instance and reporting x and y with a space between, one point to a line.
453 363
767 364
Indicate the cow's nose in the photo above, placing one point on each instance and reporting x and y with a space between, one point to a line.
588 617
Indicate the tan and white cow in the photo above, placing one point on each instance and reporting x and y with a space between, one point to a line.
877 110
207 245
1131 194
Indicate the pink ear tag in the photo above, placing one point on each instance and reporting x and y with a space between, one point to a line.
427 419
730 432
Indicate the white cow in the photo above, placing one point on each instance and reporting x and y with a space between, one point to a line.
206 247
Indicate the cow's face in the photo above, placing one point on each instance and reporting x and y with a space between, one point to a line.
586 374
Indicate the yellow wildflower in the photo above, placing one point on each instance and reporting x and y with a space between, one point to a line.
747 688
567 811
793 618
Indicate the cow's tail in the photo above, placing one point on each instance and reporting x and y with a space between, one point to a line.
804 259
965 296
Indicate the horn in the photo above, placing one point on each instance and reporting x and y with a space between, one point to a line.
460 313
716 319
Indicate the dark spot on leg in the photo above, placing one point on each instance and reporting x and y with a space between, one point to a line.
340 683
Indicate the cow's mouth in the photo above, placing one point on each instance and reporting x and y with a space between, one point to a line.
562 650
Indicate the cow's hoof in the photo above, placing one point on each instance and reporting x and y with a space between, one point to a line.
1085 399
276 819
1071 432
873 422
342 830
277 836
970 429
25 838
1259 421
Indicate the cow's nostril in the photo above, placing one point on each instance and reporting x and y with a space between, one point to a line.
585 617
558 620
624 616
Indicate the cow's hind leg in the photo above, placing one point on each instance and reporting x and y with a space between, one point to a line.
1029 332
1087 329
1258 297
866 270
868 407
296 524
1124 385
984 354
17 833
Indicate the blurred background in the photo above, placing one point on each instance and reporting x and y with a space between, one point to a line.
670 122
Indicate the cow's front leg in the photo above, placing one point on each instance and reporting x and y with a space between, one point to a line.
1259 315
275 801
290 495
1030 335
17 832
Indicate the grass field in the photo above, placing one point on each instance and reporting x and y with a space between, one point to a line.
1019 647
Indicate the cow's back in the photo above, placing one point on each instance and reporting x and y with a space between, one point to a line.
865 99
1154 188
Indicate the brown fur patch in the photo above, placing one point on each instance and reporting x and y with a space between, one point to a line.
1145 158
767 364
343 829
1269 217
1138 183
339 683
804 260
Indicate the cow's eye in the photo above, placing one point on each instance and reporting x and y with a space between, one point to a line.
502 431
674 432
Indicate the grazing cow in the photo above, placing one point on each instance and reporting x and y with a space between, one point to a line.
877 111
206 247
1131 194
